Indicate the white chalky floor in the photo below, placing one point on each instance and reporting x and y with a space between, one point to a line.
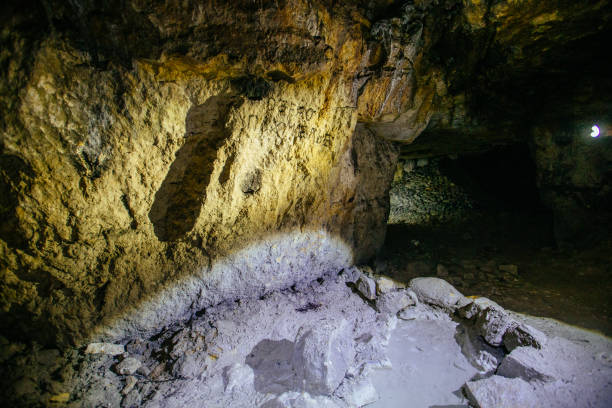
428 368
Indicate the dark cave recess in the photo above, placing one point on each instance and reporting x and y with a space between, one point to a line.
503 178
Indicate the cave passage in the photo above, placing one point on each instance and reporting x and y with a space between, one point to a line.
501 179
478 220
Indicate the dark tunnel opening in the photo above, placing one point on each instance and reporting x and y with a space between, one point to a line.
503 178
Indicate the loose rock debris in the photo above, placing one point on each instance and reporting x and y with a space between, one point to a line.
326 346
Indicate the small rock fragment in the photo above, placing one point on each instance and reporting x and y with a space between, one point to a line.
501 392
158 372
386 285
497 327
438 292
526 363
128 366
367 287
105 348
422 312
190 365
485 362
130 382
492 324
351 274
393 302
136 346
468 311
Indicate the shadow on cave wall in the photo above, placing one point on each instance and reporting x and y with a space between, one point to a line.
178 201
14 172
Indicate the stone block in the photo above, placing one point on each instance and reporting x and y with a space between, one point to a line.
438 292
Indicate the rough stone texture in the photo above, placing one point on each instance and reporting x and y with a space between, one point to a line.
424 195
541 64
526 363
130 382
300 400
145 143
493 323
477 305
500 392
323 355
396 301
358 394
498 327
366 286
484 357
520 335
244 352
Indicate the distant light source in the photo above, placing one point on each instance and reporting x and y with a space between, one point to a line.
595 131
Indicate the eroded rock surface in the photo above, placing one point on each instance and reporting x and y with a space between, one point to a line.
143 144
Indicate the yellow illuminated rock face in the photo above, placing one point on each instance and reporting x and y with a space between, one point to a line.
142 146
132 179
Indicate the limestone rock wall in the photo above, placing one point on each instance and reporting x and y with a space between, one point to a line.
155 189
145 144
